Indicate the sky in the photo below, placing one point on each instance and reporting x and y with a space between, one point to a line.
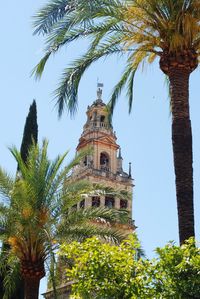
144 135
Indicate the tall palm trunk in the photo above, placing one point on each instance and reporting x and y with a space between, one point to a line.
31 288
32 272
182 150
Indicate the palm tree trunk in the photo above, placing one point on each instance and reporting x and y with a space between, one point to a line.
182 150
31 286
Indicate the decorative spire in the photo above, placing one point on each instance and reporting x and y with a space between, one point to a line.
129 174
99 92
120 154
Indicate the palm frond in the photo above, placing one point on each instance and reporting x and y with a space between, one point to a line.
78 158
56 10
99 190
84 231
145 27
41 211
6 184
106 214
10 270
60 36
64 32
16 154
39 68
118 88
50 14
66 93
130 89
54 178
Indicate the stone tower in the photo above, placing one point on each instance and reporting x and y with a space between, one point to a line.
104 164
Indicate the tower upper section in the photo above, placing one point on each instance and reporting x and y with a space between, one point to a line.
97 118
105 159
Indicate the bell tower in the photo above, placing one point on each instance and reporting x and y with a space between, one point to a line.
104 165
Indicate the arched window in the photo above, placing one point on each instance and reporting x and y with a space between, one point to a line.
102 118
109 202
85 161
104 161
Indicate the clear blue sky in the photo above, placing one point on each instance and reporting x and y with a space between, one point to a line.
144 136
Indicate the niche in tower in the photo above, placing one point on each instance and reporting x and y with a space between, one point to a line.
102 118
102 121
104 161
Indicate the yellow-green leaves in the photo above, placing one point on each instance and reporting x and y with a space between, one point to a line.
140 30
103 270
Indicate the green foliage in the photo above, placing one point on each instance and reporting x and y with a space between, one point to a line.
103 270
30 131
140 30
9 267
38 212
30 135
176 273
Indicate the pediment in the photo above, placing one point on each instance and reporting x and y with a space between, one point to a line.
106 139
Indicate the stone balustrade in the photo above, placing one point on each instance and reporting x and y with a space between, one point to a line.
103 172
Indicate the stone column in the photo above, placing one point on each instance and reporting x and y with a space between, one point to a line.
117 203
129 207
88 202
102 201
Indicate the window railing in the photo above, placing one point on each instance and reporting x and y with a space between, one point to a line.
105 168
97 124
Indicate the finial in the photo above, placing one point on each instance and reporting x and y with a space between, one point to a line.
120 154
129 174
99 91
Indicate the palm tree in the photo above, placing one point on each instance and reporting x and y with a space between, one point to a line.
30 135
141 30
39 213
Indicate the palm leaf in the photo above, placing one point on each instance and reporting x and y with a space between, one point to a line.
39 68
109 215
145 27
6 184
84 231
130 89
118 88
66 93
10 270
50 14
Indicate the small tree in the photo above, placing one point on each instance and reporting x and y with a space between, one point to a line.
30 131
30 135
176 271
103 270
